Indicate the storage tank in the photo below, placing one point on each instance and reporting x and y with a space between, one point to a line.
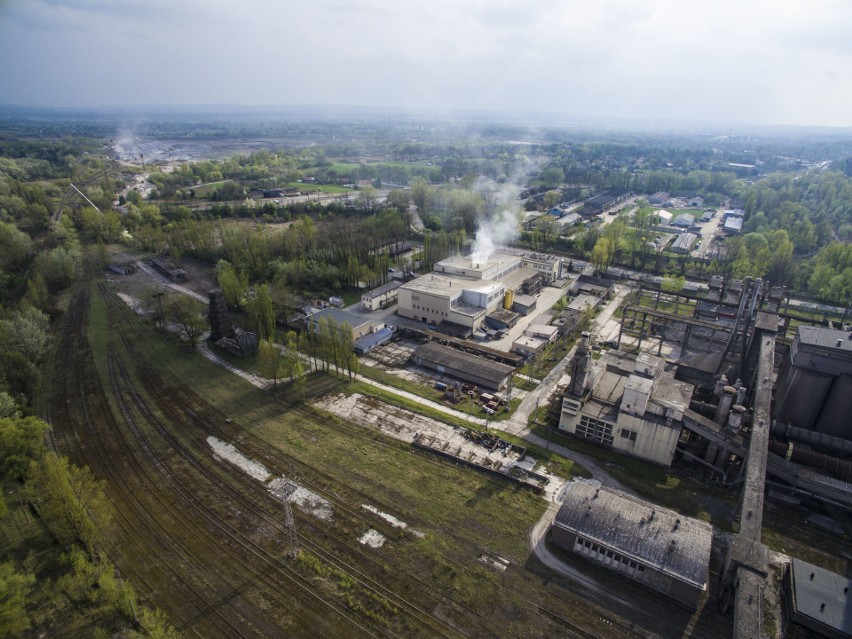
509 299
736 418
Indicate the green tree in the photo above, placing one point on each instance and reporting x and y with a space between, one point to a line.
156 626
234 284
15 247
553 176
21 442
603 253
71 501
8 407
552 198
37 293
258 306
186 314
270 360
14 593
25 332
299 378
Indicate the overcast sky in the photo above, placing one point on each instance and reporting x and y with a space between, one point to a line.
726 61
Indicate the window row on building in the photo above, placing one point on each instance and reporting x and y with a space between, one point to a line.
595 429
616 561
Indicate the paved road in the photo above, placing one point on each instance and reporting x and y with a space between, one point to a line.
518 423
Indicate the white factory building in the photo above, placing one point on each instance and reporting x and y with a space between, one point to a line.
461 292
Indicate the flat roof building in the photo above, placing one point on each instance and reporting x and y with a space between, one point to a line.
818 599
359 325
461 291
656 547
627 403
814 387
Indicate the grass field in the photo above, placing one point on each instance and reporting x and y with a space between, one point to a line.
456 516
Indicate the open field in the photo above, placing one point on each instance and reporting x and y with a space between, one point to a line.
393 542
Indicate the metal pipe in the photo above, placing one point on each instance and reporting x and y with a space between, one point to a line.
725 403
818 441
838 467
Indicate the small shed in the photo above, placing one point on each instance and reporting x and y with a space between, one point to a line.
684 220
528 345
524 304
661 217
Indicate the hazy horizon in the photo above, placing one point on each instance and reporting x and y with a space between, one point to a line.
753 63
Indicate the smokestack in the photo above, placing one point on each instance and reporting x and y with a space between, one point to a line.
579 366
725 402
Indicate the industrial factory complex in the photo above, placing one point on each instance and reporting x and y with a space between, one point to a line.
728 391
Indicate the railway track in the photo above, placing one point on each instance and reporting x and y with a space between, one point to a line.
93 439
177 404
187 418
88 444
253 498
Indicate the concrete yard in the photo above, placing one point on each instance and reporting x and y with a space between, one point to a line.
405 425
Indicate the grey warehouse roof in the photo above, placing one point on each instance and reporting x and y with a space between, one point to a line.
671 543
826 337
459 360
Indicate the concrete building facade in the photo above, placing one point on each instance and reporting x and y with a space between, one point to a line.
381 296
630 404
461 292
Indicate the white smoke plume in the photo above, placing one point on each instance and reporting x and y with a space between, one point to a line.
500 224
500 229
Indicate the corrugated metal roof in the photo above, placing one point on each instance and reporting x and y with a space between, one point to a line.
671 543
461 361
368 342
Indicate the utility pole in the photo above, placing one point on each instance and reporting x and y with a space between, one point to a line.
291 529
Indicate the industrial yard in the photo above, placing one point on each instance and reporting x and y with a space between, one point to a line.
390 538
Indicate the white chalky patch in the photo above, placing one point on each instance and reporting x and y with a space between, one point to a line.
132 302
495 562
372 538
228 452
393 521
